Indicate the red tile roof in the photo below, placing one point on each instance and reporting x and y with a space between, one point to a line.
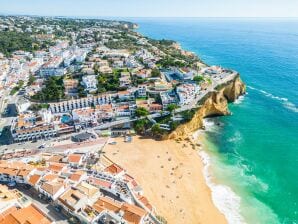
34 179
27 215
114 169
74 158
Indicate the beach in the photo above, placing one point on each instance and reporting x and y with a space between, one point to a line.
171 176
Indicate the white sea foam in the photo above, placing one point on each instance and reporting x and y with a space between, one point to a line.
212 124
209 123
223 197
285 101
291 106
239 100
250 87
237 137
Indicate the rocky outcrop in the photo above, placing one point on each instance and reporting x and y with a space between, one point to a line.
214 104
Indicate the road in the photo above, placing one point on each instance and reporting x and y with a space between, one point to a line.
219 80
127 120
47 208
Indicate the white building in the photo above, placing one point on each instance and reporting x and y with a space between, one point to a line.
90 83
69 105
125 79
142 90
186 93
30 126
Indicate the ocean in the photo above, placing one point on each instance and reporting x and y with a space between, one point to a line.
253 155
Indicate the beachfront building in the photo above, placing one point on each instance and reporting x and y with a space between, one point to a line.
124 109
105 112
30 126
84 117
118 212
90 83
69 105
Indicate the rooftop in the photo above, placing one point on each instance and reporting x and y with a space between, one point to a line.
28 215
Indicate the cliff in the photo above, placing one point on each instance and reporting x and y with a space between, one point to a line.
214 104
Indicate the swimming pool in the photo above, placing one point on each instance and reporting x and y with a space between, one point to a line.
65 118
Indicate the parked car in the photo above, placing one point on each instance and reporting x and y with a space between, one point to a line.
58 208
11 184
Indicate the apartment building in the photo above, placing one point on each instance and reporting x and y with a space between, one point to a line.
90 83
30 126
186 93
69 105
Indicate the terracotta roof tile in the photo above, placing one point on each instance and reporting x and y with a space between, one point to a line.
74 158
114 169
34 179
27 215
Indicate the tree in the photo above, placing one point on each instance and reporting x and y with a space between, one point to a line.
156 130
53 90
81 91
172 107
31 80
11 41
155 73
108 82
198 79
140 125
188 114
17 88
174 125
141 112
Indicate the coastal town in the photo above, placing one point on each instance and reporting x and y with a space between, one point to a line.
69 88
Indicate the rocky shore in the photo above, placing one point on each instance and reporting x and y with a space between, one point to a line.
214 104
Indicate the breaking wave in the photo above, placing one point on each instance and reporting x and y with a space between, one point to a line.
285 101
223 196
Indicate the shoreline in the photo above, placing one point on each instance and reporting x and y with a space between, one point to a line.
223 197
171 174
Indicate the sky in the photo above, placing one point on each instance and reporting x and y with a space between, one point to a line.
152 8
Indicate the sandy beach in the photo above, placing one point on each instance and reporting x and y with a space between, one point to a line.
170 174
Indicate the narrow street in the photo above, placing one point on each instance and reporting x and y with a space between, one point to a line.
47 208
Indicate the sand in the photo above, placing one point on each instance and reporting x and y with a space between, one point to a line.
170 174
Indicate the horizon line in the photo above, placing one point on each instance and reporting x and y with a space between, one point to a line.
152 17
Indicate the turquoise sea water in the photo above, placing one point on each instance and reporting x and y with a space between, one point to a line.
255 151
